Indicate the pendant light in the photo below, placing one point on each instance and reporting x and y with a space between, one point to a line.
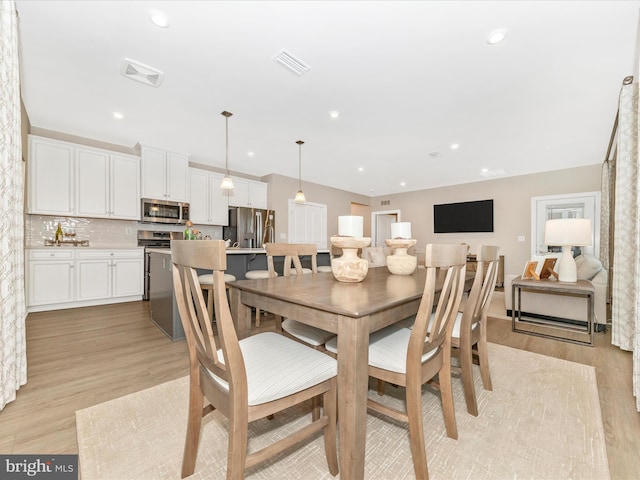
300 194
227 183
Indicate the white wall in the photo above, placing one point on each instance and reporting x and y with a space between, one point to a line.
512 209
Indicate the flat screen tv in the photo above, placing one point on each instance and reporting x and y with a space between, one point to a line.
463 217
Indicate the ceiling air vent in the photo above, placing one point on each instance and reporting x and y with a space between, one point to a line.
141 73
292 63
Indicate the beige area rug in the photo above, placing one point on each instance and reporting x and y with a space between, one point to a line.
541 421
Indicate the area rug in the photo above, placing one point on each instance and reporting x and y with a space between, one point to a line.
541 421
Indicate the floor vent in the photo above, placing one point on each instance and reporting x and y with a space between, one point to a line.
141 73
292 63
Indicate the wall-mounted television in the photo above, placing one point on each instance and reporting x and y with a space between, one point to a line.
463 217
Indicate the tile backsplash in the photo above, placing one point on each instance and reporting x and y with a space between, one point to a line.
100 232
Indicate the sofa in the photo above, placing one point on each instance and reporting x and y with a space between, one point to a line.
561 306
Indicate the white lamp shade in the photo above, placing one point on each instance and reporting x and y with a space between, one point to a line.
568 232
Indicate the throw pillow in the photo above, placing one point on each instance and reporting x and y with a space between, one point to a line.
376 256
587 266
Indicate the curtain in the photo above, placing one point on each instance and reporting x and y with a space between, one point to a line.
13 357
625 332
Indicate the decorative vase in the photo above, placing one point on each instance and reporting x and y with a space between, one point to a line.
349 267
400 262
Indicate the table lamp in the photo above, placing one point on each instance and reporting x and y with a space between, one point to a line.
567 233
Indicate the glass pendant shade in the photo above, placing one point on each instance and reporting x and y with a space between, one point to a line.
300 194
227 183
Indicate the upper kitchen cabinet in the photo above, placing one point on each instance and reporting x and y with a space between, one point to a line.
164 175
248 193
76 180
207 201
107 185
50 177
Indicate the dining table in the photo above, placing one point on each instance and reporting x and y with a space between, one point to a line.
350 310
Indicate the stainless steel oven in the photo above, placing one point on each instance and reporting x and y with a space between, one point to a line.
148 240
164 211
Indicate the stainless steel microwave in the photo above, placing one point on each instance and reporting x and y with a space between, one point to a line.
164 211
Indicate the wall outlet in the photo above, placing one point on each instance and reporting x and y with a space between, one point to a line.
283 236
127 231
521 238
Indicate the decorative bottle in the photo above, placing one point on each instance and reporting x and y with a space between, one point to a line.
59 235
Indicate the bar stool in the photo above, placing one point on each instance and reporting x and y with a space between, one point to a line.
206 284
254 275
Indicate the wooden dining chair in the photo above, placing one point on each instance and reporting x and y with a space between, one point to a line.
411 357
291 252
470 327
244 379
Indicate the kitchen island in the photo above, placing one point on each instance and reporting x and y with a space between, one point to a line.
164 311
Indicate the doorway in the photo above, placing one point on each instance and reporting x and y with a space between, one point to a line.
381 226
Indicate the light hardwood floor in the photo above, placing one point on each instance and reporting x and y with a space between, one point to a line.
81 357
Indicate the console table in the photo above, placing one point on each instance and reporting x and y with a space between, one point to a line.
553 328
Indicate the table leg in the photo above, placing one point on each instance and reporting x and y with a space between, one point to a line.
240 312
353 381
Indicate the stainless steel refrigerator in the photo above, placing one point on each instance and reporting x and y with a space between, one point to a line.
250 227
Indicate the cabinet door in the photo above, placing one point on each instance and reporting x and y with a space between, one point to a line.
50 282
92 183
258 195
199 196
218 201
51 174
125 187
153 173
239 196
93 279
127 277
177 168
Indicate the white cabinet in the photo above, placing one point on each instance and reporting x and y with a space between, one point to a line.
75 180
109 273
207 201
248 193
164 174
107 185
50 177
50 277
70 277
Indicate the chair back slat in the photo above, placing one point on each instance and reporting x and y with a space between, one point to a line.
433 324
196 320
291 253
483 286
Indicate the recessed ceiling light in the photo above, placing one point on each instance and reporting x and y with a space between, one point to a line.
334 114
118 115
361 169
496 36
484 170
435 154
251 154
159 19
455 146
402 184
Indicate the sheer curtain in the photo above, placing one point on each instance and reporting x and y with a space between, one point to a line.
13 358
625 332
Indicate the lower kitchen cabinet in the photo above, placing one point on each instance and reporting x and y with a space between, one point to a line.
50 277
67 278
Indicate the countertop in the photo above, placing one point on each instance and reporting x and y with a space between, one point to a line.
78 247
230 251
